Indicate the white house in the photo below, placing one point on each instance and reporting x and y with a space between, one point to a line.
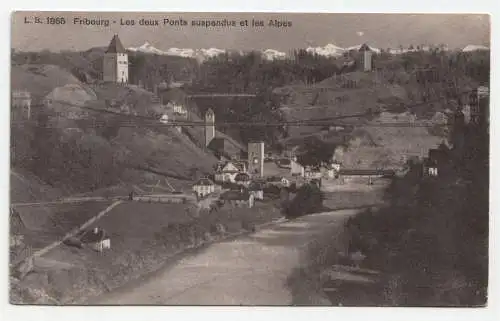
203 187
164 119
296 168
226 172
178 109
312 172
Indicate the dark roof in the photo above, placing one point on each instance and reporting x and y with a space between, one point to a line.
354 172
256 186
115 46
242 177
438 155
284 161
364 47
92 237
236 195
204 182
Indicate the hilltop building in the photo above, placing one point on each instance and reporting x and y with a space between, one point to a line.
209 126
365 58
21 103
115 62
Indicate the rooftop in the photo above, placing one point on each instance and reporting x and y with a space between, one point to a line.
204 182
115 46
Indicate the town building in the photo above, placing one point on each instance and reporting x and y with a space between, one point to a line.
240 198
209 126
115 62
226 172
256 158
242 179
178 109
296 169
313 172
257 190
203 187
21 104
365 58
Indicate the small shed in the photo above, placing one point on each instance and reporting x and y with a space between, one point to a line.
97 239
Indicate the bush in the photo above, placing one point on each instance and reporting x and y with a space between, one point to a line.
308 200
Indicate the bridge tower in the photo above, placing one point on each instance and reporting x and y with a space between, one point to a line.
209 126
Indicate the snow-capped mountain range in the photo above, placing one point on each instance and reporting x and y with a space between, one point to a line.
329 50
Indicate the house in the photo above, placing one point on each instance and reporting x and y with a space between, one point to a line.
164 119
329 171
227 171
296 169
241 198
203 187
97 239
257 190
312 172
21 103
437 160
242 179
430 168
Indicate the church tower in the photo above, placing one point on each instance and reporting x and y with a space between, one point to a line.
209 126
115 62
256 158
366 59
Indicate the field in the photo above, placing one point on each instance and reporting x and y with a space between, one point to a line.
49 223
143 237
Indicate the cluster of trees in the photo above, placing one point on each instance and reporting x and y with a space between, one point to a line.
433 240
81 162
251 73
308 200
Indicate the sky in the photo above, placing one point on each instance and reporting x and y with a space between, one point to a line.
344 30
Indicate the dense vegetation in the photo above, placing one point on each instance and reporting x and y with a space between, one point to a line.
308 200
433 240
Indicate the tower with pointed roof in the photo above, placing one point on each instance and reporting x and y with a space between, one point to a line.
366 57
115 63
209 126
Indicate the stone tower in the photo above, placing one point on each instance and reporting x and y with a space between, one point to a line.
256 159
115 62
366 58
209 126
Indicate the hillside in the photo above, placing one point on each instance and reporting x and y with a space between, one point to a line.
388 93
85 159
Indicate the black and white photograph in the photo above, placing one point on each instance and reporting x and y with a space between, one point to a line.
249 159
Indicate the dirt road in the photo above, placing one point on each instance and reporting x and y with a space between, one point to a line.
250 270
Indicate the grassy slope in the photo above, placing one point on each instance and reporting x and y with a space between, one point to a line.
165 150
371 146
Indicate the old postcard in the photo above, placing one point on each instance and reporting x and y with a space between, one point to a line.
249 159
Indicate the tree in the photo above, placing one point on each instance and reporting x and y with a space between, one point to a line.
308 200
315 151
